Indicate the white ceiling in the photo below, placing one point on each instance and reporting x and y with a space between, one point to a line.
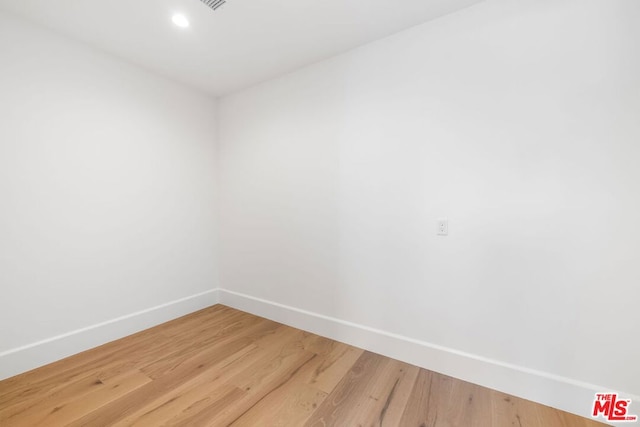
242 43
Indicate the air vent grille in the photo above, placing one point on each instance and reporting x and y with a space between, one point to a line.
214 4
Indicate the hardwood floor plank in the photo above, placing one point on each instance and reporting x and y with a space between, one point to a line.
63 391
187 370
400 393
265 376
202 388
62 411
247 328
287 366
134 351
295 400
185 406
514 411
444 401
337 358
364 396
417 408
283 407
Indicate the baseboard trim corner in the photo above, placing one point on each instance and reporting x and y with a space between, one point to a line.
558 392
22 359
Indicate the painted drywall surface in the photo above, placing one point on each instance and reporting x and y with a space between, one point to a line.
107 203
518 121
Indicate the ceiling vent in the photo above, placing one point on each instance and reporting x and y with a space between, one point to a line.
214 4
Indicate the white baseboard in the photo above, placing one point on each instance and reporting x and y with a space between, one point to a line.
541 387
25 358
563 393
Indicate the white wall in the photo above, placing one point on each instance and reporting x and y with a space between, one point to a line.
107 200
519 121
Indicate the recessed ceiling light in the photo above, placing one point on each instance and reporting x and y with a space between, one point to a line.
180 20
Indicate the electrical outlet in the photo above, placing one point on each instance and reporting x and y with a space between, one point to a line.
443 227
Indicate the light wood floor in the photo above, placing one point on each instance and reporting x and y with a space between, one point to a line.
220 367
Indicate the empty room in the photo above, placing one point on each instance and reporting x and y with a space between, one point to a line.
414 213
